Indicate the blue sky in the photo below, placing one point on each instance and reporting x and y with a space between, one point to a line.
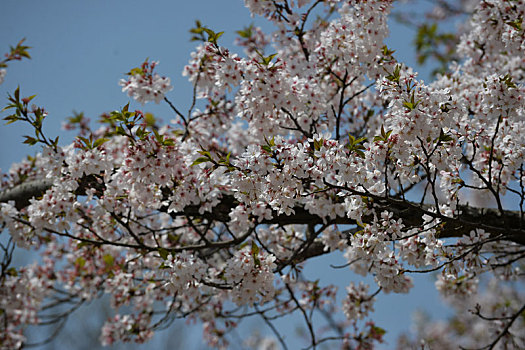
80 50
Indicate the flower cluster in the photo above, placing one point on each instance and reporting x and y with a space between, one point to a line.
358 303
122 327
186 271
370 251
22 294
251 273
329 145
485 319
145 86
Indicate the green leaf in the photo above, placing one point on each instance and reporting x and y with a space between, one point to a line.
164 267
217 36
80 261
507 79
167 142
99 142
174 239
12 272
246 33
360 153
11 119
460 182
83 244
387 52
149 118
85 141
142 133
136 71
30 140
318 144
266 148
384 135
255 254
205 153
28 99
109 260
119 130
355 145
265 61
76 118
163 253
197 30
212 36
210 32
268 59
395 76
200 160
271 142
408 105
255 249
443 138
516 24
378 330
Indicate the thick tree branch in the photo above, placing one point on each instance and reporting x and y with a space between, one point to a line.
470 218
21 194
508 226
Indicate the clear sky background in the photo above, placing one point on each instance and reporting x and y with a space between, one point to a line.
80 50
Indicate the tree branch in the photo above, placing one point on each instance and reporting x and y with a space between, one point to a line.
470 218
508 225
21 194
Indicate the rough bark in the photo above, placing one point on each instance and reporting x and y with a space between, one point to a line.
22 193
506 225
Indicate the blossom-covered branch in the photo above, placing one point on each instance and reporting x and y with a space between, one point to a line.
329 145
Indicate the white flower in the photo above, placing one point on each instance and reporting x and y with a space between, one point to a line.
3 72
144 86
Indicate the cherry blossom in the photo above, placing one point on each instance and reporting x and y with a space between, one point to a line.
144 86
328 145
